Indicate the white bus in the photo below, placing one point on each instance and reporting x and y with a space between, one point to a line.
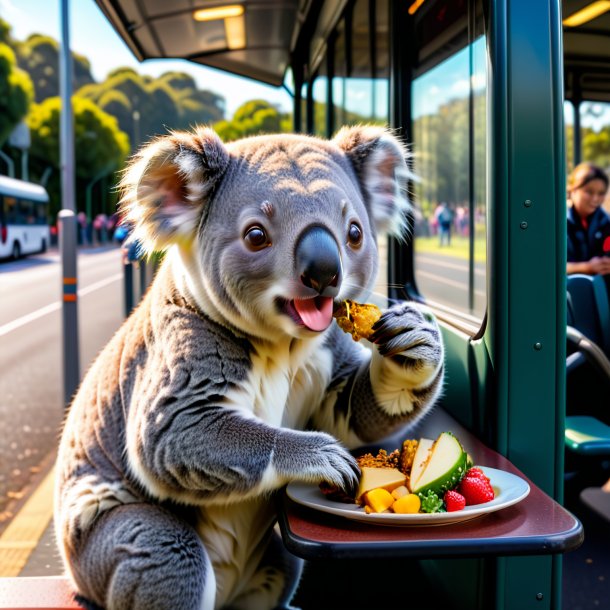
24 226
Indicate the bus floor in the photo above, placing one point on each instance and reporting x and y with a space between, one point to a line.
395 584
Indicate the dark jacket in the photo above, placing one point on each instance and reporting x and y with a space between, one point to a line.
585 242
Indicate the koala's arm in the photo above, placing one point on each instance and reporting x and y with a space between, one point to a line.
191 435
375 392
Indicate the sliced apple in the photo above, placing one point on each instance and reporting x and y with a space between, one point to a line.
422 455
379 478
444 468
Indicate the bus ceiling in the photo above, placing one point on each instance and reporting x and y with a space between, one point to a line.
256 38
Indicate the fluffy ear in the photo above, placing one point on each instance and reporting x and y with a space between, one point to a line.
167 184
379 160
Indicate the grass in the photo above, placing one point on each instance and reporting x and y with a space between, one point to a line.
459 248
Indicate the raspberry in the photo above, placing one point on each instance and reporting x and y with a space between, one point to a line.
454 501
475 490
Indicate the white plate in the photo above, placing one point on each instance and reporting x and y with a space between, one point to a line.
509 490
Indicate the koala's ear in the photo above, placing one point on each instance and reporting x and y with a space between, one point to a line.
379 160
167 184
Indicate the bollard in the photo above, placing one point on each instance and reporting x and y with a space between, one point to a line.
67 241
127 286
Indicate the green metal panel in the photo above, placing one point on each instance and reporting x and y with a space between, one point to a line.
526 331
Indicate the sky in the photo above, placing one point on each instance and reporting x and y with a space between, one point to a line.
92 36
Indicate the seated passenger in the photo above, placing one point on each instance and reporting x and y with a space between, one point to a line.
588 222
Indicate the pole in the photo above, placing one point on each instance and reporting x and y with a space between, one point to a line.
67 216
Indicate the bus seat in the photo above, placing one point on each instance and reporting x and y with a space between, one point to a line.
597 499
588 308
587 435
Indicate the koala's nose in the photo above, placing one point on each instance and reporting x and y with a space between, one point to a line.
318 261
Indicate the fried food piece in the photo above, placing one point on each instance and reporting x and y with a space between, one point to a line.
357 318
383 459
407 453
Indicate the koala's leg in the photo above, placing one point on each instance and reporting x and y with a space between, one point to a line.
274 583
141 557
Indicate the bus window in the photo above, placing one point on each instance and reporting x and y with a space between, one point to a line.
568 117
595 133
449 139
380 63
320 101
11 210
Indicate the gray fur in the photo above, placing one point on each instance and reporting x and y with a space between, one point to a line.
211 397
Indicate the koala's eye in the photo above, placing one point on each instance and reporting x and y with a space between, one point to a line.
354 235
256 238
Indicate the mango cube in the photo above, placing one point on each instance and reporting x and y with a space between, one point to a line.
409 504
378 500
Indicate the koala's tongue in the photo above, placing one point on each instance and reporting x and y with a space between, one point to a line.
316 313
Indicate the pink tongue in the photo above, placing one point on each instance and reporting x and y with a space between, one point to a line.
317 313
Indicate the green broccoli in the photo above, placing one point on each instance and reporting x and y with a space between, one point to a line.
431 503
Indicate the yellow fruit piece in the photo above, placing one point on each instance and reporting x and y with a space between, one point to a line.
399 492
408 504
378 500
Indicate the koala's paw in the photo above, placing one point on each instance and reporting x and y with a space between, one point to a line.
409 335
317 456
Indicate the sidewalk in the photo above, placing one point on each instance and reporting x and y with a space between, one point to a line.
27 544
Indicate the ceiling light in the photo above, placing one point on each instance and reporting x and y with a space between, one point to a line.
593 10
415 6
218 12
235 32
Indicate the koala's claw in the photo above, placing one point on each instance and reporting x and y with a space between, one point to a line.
341 468
407 334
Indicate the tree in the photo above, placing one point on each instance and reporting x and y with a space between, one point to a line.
253 117
16 93
100 146
39 57
596 146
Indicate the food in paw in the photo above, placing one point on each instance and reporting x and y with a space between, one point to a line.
357 319
476 490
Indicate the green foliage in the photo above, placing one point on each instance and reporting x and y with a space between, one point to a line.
596 146
5 33
16 93
253 117
100 146
39 57
146 107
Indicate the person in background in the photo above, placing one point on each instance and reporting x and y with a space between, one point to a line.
588 222
444 216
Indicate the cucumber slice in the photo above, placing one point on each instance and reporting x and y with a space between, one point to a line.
444 468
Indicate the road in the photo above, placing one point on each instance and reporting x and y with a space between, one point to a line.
444 279
31 375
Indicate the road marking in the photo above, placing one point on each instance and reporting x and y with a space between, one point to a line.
443 280
20 538
43 311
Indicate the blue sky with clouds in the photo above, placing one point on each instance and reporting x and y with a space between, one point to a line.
92 36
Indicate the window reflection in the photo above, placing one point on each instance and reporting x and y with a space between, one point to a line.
449 134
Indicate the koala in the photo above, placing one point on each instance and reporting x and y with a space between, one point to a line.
230 379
